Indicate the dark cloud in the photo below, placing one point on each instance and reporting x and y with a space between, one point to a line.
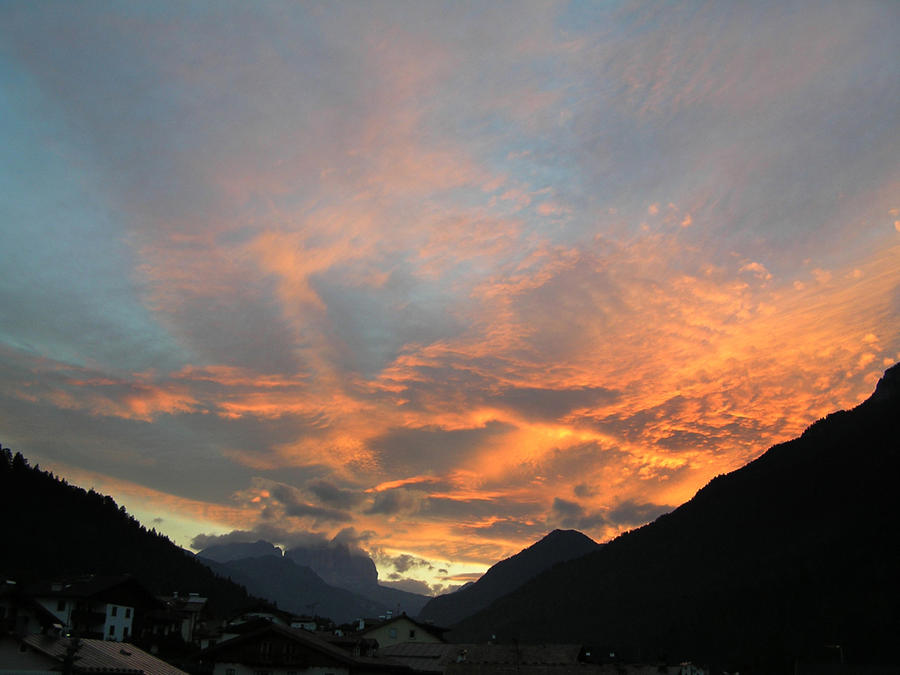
294 505
465 510
405 562
410 585
392 502
575 462
333 495
371 325
571 515
276 534
172 457
584 490
553 404
202 541
247 329
430 450
684 440
632 513
437 385
648 424
505 529
352 538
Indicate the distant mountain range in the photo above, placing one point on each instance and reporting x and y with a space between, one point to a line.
329 580
793 556
295 588
506 576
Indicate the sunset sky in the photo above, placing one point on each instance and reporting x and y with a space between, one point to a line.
434 279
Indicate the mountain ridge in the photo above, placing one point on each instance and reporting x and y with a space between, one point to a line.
64 531
773 562
506 575
351 576
295 588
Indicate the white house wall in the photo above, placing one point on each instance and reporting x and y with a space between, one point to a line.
52 605
118 623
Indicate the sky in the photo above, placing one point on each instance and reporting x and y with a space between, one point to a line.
433 279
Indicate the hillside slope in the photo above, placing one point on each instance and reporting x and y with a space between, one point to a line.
51 529
786 558
506 576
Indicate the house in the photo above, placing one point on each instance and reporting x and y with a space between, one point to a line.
39 654
186 610
402 629
99 607
252 617
305 622
274 649
262 610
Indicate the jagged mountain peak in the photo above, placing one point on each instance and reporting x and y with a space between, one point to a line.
229 551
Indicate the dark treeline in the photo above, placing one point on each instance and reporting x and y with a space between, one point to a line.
50 529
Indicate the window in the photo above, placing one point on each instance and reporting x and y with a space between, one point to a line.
113 611
128 612
412 634
393 633
125 633
60 605
112 631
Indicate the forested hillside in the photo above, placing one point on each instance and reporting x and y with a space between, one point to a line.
51 529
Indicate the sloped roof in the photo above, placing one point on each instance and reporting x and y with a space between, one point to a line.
99 656
422 656
435 656
295 634
437 631
90 586
310 641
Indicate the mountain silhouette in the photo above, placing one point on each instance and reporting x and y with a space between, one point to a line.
355 571
339 582
791 558
296 588
224 553
51 530
506 576
337 564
